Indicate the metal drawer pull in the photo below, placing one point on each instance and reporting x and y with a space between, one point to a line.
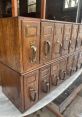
33 53
45 86
46 48
54 80
32 94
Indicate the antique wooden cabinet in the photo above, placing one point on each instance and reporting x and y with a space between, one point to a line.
36 56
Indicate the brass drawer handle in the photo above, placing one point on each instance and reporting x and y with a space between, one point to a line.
33 53
54 80
62 75
32 94
45 86
46 48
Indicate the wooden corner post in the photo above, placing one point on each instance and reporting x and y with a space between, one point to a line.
43 9
14 8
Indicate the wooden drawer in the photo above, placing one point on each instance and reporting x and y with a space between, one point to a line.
75 62
62 71
66 38
69 65
54 74
44 81
47 31
79 65
31 89
73 38
31 38
57 42
79 38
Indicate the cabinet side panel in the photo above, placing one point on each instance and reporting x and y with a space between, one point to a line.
10 43
12 86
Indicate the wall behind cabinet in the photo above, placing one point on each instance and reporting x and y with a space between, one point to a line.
55 8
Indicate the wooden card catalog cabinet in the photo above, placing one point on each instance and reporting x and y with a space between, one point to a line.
36 56
66 38
47 31
57 42
73 38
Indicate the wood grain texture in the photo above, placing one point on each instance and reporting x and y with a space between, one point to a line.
17 87
16 45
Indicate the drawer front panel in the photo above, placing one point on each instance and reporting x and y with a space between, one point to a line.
75 62
47 30
69 65
44 82
31 38
66 39
31 89
79 61
73 38
54 74
62 71
79 38
57 43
